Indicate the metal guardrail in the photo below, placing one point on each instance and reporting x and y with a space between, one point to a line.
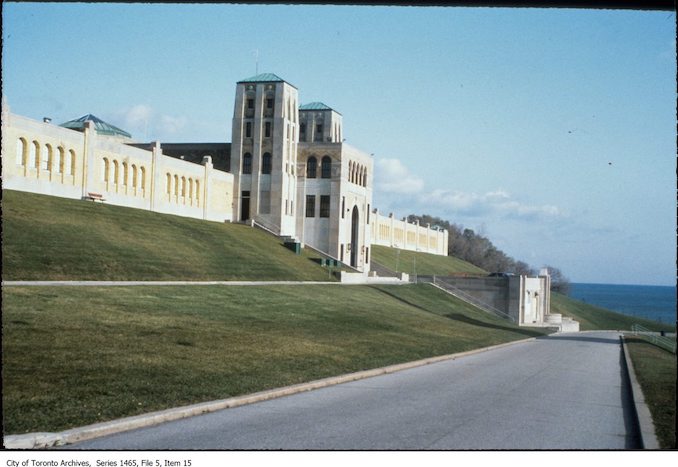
269 227
654 337
460 294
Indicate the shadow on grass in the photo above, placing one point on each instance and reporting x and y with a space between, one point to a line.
464 318
402 300
485 324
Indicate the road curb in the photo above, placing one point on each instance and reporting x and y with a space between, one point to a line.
48 440
648 437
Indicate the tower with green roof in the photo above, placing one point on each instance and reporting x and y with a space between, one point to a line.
264 152
319 123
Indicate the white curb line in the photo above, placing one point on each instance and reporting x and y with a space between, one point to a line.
648 437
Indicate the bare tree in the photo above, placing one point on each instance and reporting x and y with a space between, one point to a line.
559 283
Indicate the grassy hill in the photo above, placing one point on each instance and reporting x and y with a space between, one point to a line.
49 238
425 263
78 355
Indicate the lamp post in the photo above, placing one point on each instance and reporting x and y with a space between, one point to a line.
414 260
397 257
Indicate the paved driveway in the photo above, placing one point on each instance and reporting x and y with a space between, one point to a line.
559 392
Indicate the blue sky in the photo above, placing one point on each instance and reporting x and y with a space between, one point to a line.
550 131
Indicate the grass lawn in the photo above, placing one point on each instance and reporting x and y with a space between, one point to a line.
656 372
426 264
50 238
591 317
78 355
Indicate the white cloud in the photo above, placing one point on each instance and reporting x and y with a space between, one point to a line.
497 202
391 176
138 116
146 124
171 125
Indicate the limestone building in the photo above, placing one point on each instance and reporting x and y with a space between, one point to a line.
287 169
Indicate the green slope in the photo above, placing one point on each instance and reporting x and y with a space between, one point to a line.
49 238
78 355
422 263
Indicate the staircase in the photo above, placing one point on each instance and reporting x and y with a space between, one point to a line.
381 270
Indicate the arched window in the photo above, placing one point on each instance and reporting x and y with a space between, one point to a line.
326 167
311 167
350 171
190 188
33 155
365 179
45 157
197 192
50 158
60 160
134 176
143 178
106 169
116 172
169 184
266 163
176 185
362 174
247 163
21 152
71 162
183 186
125 173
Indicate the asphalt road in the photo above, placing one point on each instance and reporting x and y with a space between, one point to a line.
560 392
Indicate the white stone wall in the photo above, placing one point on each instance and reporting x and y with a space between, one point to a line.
41 158
272 197
394 233
530 299
44 158
333 234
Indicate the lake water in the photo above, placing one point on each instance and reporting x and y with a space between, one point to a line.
645 301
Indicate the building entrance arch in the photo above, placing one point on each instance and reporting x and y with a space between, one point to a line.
355 217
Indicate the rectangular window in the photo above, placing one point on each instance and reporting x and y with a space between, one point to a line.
368 213
324 206
318 132
302 132
267 129
343 206
250 103
269 103
248 129
310 205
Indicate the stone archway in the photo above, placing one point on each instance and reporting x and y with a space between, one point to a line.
355 236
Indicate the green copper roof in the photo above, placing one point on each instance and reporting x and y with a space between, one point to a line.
101 127
315 106
263 78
